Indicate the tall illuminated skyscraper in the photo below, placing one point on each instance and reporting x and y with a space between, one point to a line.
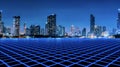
16 26
60 30
51 25
118 22
84 32
1 24
72 29
24 28
92 23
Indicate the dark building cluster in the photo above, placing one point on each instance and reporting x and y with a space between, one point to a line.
51 29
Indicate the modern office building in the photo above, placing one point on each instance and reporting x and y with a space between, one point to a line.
7 31
25 28
27 33
98 31
1 24
92 23
51 25
42 31
35 30
118 22
32 30
77 31
60 30
84 32
46 29
16 26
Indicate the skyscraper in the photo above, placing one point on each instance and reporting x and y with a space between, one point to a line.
16 26
7 31
98 31
72 30
42 31
60 30
28 33
92 23
46 29
35 30
118 22
51 25
24 28
84 32
1 24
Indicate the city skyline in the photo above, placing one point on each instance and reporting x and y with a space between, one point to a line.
73 13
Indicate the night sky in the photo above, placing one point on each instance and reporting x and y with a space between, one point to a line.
69 12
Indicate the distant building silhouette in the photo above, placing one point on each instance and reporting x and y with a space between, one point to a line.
51 25
25 28
42 31
28 32
118 22
72 30
84 32
16 26
98 31
92 23
60 30
1 24
7 31
34 30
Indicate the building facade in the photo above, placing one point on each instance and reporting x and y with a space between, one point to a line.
92 23
118 22
1 24
51 25
16 26
84 32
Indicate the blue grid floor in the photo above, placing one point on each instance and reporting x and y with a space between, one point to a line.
60 52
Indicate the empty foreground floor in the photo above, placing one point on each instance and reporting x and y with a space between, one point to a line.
59 52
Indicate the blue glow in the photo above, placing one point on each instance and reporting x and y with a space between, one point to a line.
59 52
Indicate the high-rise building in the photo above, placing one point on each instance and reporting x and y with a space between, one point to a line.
42 31
72 30
1 24
51 25
46 29
98 31
27 32
24 28
92 23
118 22
32 29
7 31
84 32
35 30
16 26
60 30
77 32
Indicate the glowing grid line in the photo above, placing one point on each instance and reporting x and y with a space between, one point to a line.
62 52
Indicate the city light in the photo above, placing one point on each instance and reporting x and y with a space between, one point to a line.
51 29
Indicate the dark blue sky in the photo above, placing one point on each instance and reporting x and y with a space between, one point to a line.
69 12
